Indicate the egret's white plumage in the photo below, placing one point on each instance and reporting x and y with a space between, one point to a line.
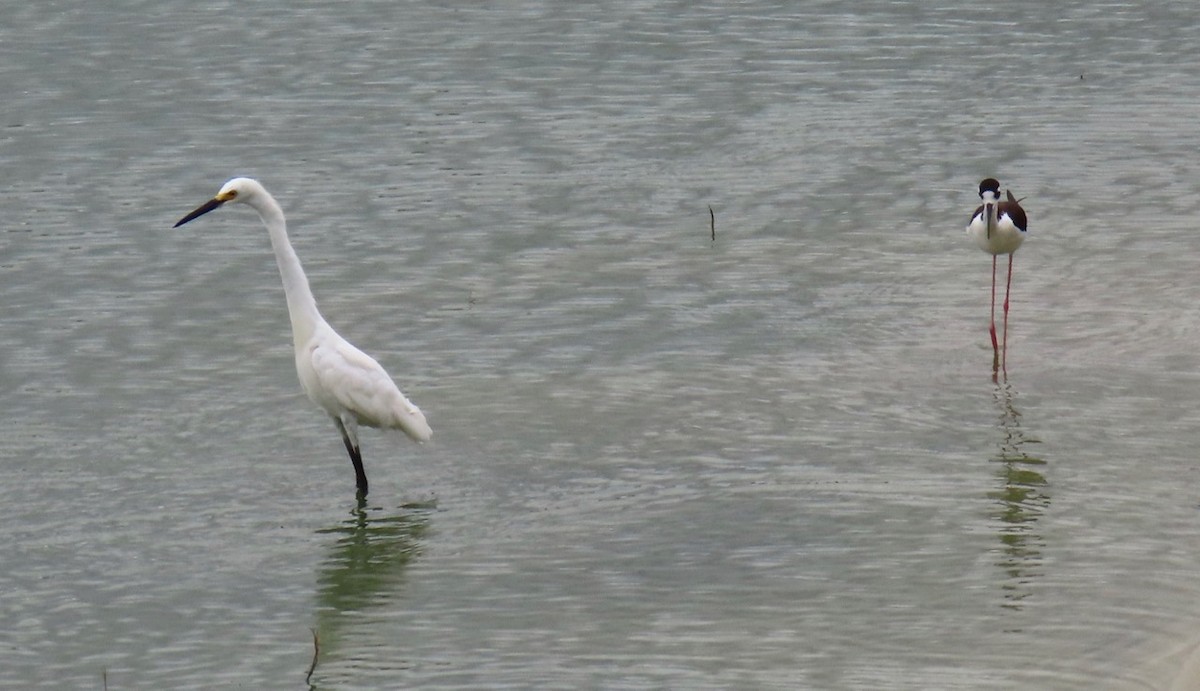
998 227
344 381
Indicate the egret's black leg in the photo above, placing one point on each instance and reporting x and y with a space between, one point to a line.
360 475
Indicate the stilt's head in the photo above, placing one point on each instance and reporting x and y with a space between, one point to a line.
236 190
989 192
989 185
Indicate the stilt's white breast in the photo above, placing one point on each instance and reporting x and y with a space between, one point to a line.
1005 237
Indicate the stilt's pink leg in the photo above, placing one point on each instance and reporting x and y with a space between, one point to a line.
992 323
1007 288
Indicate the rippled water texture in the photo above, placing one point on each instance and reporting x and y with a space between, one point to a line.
774 459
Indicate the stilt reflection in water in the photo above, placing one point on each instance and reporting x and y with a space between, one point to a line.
1021 498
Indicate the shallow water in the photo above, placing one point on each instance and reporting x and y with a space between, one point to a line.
775 459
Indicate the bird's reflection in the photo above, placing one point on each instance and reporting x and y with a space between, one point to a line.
365 567
1021 497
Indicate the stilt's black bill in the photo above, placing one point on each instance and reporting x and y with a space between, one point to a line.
204 208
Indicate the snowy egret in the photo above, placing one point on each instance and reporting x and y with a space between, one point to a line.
998 228
347 383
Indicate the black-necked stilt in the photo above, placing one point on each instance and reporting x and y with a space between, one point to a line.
999 228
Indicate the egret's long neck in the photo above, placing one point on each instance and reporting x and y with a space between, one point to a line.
302 307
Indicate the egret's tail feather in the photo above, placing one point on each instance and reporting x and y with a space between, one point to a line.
410 419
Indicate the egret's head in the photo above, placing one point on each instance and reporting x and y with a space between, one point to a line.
989 190
236 190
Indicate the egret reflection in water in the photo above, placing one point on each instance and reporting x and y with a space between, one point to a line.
1021 498
366 566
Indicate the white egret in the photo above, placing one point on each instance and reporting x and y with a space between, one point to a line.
998 228
347 383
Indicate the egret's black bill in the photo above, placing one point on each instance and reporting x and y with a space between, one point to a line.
204 208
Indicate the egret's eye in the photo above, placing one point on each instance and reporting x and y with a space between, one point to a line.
231 194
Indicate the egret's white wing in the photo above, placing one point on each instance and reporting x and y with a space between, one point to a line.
362 387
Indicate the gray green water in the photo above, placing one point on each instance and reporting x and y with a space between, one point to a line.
776 460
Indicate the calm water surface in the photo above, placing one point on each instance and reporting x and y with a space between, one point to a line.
779 459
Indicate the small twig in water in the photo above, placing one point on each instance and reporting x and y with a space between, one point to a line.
104 677
316 652
713 220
